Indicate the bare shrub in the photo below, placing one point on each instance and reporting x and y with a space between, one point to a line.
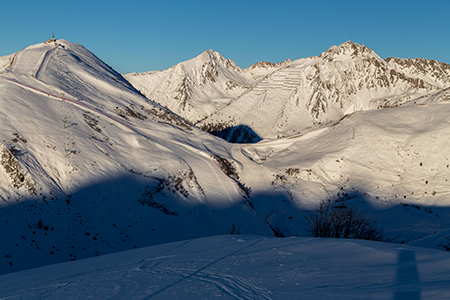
331 221
226 166
230 170
446 246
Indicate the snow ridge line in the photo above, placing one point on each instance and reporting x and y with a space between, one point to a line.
70 100
310 129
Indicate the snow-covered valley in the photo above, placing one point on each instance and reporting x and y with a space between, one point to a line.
89 166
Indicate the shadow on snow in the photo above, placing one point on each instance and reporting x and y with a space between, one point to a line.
240 134
115 215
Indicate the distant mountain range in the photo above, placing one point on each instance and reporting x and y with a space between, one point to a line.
91 162
275 100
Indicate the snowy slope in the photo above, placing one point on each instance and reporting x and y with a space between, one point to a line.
394 162
292 96
244 267
105 169
88 166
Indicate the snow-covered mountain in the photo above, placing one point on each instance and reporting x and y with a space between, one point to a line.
89 166
196 88
292 96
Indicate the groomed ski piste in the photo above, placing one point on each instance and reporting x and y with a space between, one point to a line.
90 167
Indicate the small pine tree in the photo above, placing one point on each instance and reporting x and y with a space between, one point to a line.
40 224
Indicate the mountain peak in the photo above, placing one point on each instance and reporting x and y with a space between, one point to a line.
209 55
213 59
347 50
352 45
212 52
268 65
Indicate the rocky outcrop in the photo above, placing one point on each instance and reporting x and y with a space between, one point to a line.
435 71
20 179
268 65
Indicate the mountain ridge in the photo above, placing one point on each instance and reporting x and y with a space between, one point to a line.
309 91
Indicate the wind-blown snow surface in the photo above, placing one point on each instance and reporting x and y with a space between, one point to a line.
108 170
244 267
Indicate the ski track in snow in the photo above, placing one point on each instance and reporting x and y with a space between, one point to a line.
238 288
34 75
247 267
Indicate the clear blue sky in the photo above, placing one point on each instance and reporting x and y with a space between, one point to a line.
138 36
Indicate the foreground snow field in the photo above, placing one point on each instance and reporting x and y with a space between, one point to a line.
244 267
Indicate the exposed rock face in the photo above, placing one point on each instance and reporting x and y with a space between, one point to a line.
268 65
241 134
346 74
436 71
17 174
343 79
184 93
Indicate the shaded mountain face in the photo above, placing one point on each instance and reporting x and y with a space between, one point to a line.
281 99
